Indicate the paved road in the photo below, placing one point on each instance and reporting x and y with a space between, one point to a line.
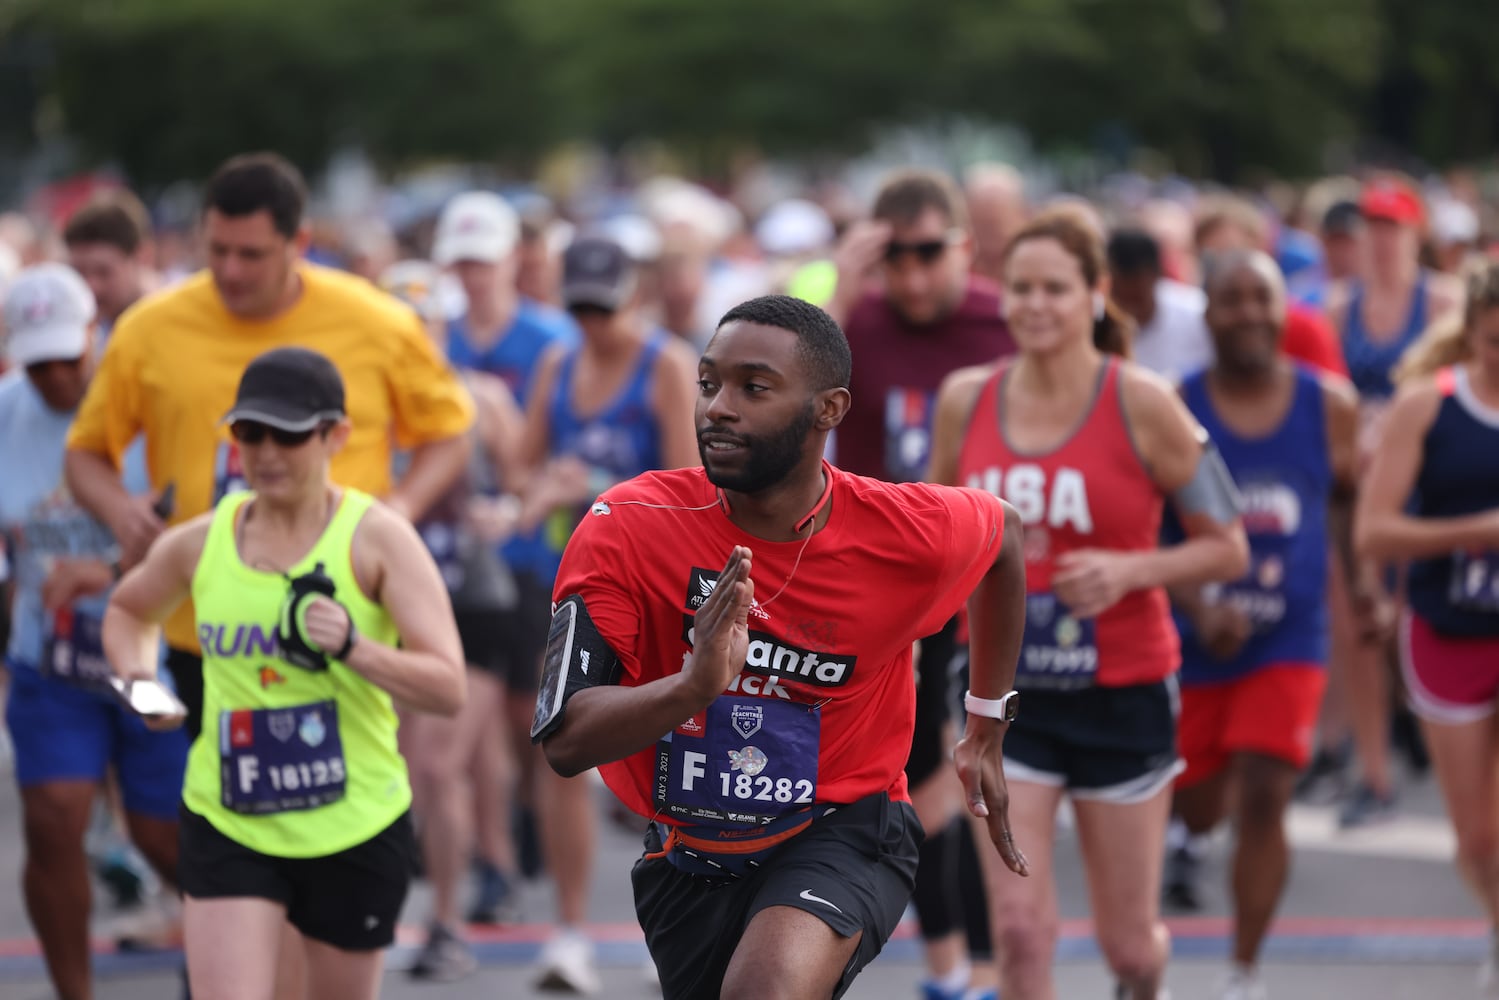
1377 914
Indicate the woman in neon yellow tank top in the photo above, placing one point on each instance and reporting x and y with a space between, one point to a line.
296 802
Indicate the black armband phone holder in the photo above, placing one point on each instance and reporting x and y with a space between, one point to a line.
294 647
577 657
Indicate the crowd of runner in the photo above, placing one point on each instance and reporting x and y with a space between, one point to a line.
403 517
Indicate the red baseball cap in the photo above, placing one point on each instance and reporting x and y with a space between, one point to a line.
1391 201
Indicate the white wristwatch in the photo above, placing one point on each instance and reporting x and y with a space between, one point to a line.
1004 709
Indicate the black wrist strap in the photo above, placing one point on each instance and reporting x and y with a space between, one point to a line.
349 639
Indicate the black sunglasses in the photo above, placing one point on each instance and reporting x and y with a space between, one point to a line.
926 251
253 432
585 310
41 368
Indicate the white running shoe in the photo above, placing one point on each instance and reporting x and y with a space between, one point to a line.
1488 973
567 965
1243 985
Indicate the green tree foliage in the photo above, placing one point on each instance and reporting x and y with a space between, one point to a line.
1438 91
167 88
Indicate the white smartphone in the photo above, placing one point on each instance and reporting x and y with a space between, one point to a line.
149 699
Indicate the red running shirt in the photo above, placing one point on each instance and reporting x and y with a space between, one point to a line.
892 564
1090 492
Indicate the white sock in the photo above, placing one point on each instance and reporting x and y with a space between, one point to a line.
955 980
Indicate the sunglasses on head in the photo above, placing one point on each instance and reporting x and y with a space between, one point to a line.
253 432
925 251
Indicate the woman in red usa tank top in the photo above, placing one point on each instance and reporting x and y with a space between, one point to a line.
1088 447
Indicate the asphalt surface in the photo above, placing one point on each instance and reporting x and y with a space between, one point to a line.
1377 914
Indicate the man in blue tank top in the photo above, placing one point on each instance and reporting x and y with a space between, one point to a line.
1254 651
616 405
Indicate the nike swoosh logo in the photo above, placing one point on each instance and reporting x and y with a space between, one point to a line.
807 895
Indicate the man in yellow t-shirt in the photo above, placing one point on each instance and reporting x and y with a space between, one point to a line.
174 360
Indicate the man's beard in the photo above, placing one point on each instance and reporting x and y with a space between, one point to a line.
768 461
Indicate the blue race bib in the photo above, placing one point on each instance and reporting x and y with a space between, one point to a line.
1474 584
74 650
443 543
1261 594
281 759
908 434
1059 652
742 763
228 471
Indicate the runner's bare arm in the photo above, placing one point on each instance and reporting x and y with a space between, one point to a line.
1365 592
608 722
996 624
95 482
1381 527
1446 296
955 401
435 466
1170 443
673 397
426 672
532 483
538 431
148 595
500 423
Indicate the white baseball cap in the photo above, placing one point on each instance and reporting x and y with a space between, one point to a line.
794 226
476 225
48 312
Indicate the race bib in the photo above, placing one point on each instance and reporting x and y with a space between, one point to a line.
443 543
74 650
908 434
1059 652
1260 595
1474 584
277 760
743 762
228 471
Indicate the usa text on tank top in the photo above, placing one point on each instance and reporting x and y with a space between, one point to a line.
1091 491
1371 360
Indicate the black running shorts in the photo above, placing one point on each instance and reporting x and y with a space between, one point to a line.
853 869
350 900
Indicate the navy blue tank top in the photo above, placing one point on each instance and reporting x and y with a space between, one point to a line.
1369 362
621 438
1458 594
1286 481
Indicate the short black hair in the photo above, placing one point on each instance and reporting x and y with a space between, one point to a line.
822 344
259 182
1133 251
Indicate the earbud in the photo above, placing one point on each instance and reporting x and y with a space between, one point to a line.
1098 305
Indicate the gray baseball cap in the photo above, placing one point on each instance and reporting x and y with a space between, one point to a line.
596 271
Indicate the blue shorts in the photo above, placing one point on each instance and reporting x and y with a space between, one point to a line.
64 733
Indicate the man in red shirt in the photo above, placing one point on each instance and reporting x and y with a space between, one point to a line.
760 713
